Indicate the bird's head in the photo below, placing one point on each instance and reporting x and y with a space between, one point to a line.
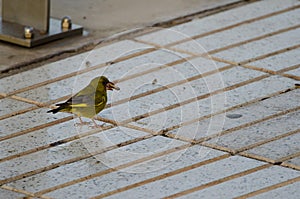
107 84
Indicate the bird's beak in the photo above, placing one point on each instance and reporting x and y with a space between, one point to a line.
111 86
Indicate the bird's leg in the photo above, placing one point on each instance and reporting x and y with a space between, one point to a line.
81 122
95 124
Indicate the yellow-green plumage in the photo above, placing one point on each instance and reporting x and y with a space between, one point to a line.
89 101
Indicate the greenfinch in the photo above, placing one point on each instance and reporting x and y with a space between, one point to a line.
89 101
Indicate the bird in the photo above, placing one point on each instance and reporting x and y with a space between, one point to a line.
89 101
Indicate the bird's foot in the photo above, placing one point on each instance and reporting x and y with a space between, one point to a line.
82 123
96 126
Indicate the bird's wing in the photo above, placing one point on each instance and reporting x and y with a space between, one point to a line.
86 102
86 97
83 98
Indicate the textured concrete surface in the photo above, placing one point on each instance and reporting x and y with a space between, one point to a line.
101 19
184 124
241 185
191 178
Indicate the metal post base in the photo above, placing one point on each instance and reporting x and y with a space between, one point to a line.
14 33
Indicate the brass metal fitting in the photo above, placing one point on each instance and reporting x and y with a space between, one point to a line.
66 23
28 32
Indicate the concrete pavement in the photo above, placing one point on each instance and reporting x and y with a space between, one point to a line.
101 20
207 109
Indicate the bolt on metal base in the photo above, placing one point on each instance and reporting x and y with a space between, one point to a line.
30 37
28 23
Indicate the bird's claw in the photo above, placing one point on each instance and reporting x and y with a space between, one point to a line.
97 126
82 123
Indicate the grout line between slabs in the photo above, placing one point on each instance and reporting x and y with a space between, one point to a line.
22 99
42 104
148 29
243 150
171 64
47 104
62 120
219 181
194 99
145 159
281 113
113 169
251 146
19 112
92 132
295 77
108 127
69 139
202 96
171 85
269 160
234 25
9 188
291 156
254 39
163 176
59 142
242 63
204 13
38 104
291 165
120 59
145 52
226 110
73 159
36 128
269 188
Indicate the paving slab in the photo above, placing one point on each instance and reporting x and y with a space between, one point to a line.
191 178
37 138
139 150
256 48
207 106
27 120
292 190
240 186
102 19
161 74
103 162
132 67
278 149
279 61
166 164
247 114
64 173
79 147
269 129
185 98
181 93
243 33
10 194
72 64
117 14
217 21
40 138
293 163
295 73
11 105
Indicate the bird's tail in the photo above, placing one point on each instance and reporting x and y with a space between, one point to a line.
59 108
54 110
